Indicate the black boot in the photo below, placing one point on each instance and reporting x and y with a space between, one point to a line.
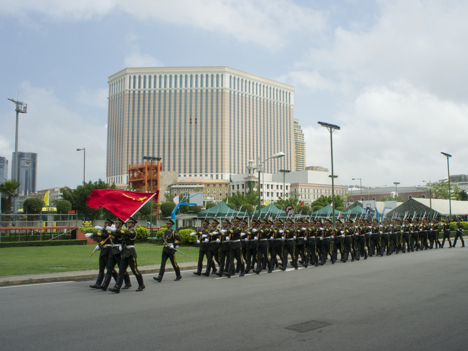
228 270
127 281
106 282
141 285
116 288
99 279
158 278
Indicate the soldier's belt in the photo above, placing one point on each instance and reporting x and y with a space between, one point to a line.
117 245
129 246
301 237
278 239
263 239
107 245
291 239
235 241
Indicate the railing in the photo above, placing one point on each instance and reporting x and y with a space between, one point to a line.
11 234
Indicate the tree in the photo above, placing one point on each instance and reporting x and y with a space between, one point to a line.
78 197
33 205
8 188
440 190
63 206
462 196
167 208
238 199
147 209
323 201
4 204
209 204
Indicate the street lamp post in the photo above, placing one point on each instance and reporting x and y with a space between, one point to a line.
84 163
21 107
360 186
260 164
331 128
396 189
448 177
284 171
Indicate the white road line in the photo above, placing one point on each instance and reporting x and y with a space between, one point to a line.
34 284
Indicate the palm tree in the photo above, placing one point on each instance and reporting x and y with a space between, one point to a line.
8 188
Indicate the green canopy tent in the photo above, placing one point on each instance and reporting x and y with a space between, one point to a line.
324 212
220 210
271 210
355 211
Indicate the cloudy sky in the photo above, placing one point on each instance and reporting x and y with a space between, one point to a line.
392 74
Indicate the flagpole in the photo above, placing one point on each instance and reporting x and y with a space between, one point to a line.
141 206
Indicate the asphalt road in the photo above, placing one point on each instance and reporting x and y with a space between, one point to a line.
416 301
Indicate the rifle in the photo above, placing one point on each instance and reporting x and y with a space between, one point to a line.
166 244
98 247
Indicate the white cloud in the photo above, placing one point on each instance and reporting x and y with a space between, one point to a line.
264 22
310 80
54 132
95 98
393 133
136 59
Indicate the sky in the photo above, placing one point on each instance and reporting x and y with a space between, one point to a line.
391 74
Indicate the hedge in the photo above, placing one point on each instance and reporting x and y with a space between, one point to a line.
43 243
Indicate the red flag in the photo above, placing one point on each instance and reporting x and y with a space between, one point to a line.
123 204
302 203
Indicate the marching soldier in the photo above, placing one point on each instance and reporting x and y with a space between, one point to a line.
106 251
414 234
361 232
116 240
375 240
459 232
445 228
171 243
327 244
276 245
213 247
384 237
129 257
423 230
225 248
348 231
251 241
300 247
236 247
338 240
290 247
204 247
405 236
434 233
262 252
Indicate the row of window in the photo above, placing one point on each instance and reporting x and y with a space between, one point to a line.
199 81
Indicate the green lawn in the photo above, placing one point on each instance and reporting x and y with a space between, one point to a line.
28 260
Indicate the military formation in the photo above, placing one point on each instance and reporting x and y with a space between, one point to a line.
237 247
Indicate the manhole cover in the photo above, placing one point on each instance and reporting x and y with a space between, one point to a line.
58 267
307 326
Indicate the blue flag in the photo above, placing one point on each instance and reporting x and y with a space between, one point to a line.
377 214
368 211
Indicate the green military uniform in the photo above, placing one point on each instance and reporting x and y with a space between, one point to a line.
276 245
445 228
459 233
204 247
236 248
290 247
213 247
129 258
171 242
251 241
327 243
105 248
225 248
263 249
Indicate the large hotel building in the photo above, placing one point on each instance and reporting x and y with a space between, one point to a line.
204 122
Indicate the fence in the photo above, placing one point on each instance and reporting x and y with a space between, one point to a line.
12 234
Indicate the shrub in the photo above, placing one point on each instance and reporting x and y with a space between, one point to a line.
63 206
161 231
185 236
453 225
33 205
142 233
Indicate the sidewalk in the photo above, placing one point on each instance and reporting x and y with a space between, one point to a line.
81 275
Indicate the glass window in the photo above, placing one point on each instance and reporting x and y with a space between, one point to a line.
175 81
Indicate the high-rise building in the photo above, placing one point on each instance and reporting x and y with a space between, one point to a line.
27 172
3 169
300 146
204 122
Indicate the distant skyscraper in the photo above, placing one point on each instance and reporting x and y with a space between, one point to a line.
300 146
3 169
204 122
27 172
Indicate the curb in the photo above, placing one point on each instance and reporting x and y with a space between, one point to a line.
22 281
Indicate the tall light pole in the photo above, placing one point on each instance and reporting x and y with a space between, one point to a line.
260 164
284 171
360 186
331 128
84 163
448 177
21 107
396 189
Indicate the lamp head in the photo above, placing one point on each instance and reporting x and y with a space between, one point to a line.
445 154
278 155
328 125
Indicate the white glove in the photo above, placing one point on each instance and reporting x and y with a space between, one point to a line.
171 246
281 231
370 226
242 234
246 239
176 246
98 227
282 238
120 248
321 228
271 238
355 226
255 238
198 241
111 229
215 232
381 225
207 241
223 231
218 241
342 235
193 233
227 239
294 237
254 230
321 238
332 237
356 234
381 232
303 229
97 247
341 231
204 236
88 235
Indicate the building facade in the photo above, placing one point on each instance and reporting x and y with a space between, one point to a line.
27 172
299 144
204 122
213 190
377 194
3 169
